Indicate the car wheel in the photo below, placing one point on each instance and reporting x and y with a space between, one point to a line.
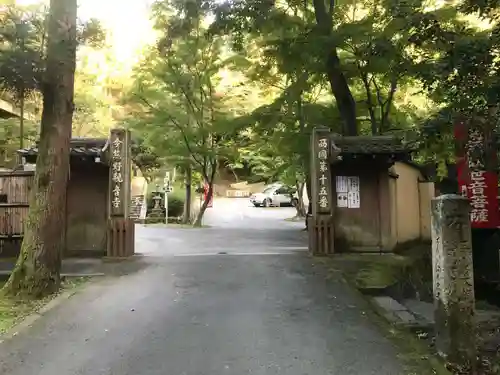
266 203
295 202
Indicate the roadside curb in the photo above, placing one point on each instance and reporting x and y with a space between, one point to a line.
396 313
29 320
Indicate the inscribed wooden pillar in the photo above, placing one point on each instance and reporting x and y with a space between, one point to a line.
119 173
121 228
321 226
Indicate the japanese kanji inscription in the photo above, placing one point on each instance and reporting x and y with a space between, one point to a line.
323 179
118 151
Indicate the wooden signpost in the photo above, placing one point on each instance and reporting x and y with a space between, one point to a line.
119 147
320 225
120 239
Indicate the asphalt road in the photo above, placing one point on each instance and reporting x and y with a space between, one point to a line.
262 308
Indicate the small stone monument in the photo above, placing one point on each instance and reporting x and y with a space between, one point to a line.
454 303
156 214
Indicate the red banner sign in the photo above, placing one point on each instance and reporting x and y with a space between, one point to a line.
476 175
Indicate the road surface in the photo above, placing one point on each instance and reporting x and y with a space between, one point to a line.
241 297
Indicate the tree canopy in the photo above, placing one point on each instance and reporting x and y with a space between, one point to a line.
240 84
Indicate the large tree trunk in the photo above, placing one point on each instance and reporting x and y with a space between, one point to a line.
338 82
187 204
37 272
342 93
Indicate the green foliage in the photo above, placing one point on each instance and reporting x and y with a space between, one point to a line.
9 133
94 101
177 105
409 66
175 205
457 65
23 40
22 43
405 63
144 158
91 33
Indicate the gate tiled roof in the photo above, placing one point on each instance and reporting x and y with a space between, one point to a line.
79 147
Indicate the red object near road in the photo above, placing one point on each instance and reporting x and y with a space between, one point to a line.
205 196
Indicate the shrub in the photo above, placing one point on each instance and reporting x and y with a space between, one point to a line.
175 205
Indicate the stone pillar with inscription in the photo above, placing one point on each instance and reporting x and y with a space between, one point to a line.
454 303
321 226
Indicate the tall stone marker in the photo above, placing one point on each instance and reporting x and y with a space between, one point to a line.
454 303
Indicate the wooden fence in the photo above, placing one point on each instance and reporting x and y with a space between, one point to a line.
14 195
14 205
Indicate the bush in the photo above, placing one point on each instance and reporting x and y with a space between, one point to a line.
175 205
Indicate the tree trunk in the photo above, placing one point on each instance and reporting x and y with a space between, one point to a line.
338 82
37 272
301 211
342 93
197 223
21 120
187 204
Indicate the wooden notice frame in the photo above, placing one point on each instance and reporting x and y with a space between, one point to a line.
119 173
321 181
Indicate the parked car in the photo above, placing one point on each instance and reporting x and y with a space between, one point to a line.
275 195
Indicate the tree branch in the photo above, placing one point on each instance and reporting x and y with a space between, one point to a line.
369 101
331 8
177 125
388 102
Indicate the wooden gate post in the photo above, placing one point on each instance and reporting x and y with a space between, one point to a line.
320 224
120 235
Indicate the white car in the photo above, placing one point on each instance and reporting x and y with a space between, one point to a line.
275 195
